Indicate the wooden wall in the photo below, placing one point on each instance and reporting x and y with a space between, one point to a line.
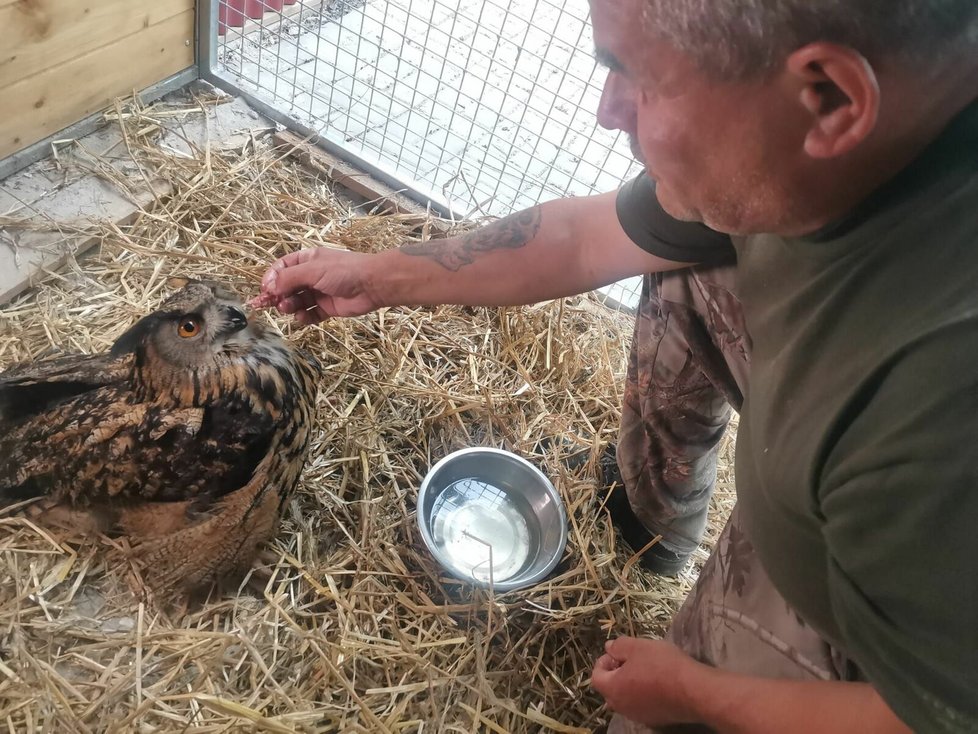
62 60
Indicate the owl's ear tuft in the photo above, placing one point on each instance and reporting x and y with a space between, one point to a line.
136 334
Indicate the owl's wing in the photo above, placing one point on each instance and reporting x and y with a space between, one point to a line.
100 448
214 452
31 389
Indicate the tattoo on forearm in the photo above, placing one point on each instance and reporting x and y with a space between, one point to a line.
510 233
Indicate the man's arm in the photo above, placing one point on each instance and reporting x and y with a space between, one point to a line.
560 248
655 683
555 249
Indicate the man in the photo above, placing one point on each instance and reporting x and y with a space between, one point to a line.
835 147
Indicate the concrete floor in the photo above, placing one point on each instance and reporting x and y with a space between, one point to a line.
46 207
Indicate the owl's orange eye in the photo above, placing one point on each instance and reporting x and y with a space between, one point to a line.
188 328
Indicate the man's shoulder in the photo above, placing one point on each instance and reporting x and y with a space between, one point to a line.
650 227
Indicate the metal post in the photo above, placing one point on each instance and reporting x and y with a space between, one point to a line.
207 12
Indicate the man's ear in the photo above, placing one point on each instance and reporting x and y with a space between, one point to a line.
840 91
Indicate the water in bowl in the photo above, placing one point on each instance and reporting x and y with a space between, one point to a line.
482 529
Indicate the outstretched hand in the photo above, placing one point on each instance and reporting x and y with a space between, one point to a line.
317 284
646 681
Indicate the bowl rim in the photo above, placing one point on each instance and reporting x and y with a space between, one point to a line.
443 560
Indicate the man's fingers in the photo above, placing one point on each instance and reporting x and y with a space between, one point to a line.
603 674
296 302
607 662
273 270
288 305
311 316
295 278
620 648
286 261
284 274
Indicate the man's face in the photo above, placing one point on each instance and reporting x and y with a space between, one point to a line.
726 154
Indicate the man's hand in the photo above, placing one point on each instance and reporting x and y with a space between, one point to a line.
655 683
316 284
644 680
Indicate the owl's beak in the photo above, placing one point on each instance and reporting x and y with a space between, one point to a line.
235 319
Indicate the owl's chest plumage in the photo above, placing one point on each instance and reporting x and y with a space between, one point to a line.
226 439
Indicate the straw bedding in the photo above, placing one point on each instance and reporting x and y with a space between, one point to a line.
345 623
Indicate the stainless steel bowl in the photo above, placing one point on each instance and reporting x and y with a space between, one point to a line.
492 518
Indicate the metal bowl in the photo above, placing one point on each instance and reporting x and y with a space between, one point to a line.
492 518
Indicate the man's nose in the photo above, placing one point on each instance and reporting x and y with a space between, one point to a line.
615 110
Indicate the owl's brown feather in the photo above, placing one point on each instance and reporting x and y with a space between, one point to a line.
188 445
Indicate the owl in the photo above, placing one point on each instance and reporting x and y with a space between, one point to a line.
187 437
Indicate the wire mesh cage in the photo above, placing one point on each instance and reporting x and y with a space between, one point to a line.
487 104
484 106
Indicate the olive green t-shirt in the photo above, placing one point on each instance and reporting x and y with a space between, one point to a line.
857 451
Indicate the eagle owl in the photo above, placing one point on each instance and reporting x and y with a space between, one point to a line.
188 436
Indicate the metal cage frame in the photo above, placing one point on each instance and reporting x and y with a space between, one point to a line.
208 70
548 149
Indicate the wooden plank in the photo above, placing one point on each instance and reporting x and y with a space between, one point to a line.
55 202
40 34
383 198
55 98
35 256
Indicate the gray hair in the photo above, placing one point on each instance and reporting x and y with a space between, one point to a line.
738 39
